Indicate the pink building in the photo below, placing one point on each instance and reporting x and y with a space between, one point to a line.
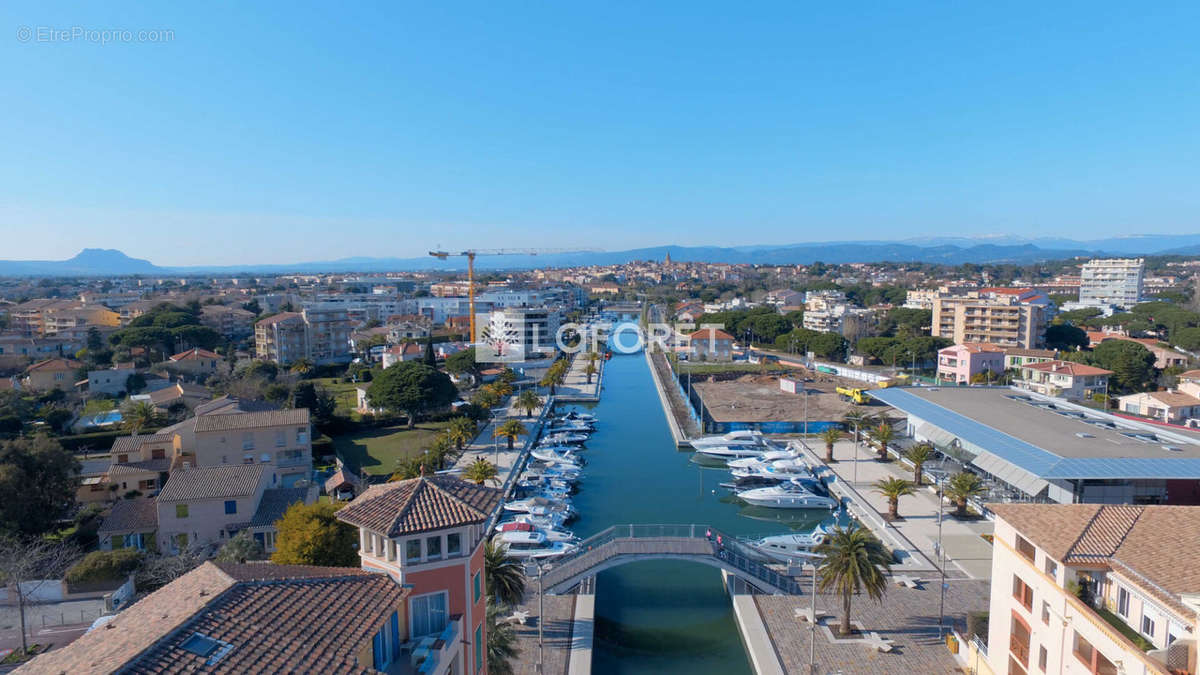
959 363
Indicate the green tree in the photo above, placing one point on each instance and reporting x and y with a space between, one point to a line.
528 400
429 357
480 471
1132 364
320 403
505 578
893 489
412 388
511 430
1065 336
44 475
919 454
301 367
461 431
883 435
855 561
961 487
310 534
830 436
240 549
589 370
462 362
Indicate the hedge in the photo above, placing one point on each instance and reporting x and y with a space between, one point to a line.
101 566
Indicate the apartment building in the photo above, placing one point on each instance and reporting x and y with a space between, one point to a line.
521 331
28 318
319 335
1064 379
75 323
1074 584
427 533
1113 282
1002 319
231 322
841 319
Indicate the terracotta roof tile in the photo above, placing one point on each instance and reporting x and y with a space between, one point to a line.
212 482
252 420
130 515
420 505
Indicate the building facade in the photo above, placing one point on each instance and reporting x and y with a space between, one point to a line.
1002 320
1116 282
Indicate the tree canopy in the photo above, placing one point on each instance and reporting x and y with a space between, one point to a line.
412 388
44 475
310 534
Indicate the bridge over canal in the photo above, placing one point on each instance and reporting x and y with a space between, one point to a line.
622 544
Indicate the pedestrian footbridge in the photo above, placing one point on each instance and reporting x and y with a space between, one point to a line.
621 544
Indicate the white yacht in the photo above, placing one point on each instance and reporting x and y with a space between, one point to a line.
533 545
582 417
782 469
551 521
787 547
540 506
554 455
728 452
562 465
550 473
766 457
744 438
551 534
787 495
563 438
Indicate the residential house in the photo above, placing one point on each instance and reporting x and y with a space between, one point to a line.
710 344
1172 407
959 363
111 381
204 506
17 351
1072 582
253 617
189 395
428 533
403 327
408 351
1015 357
281 439
274 503
1064 379
57 373
196 362
132 523
1164 355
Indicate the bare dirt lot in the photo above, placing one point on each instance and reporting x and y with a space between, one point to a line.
758 398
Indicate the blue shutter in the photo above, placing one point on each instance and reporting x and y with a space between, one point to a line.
394 624
377 651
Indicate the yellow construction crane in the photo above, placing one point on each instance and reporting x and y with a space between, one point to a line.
470 256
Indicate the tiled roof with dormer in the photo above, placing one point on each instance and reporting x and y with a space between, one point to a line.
420 505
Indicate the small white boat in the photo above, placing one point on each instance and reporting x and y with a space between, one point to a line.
744 437
570 429
554 455
551 534
786 496
768 456
782 469
550 473
533 545
786 547
552 521
563 438
583 417
540 506
728 452
561 464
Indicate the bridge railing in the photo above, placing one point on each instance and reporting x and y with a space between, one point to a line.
731 550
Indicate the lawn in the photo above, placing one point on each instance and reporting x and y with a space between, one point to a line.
343 392
98 405
375 451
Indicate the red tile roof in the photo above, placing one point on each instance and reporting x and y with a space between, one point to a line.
420 505
714 333
1069 367
195 353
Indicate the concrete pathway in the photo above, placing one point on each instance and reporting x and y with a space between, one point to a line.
966 550
575 386
495 450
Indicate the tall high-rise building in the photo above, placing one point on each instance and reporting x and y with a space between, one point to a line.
1116 281
1006 319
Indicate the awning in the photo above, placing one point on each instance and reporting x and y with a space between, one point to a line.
1010 473
936 435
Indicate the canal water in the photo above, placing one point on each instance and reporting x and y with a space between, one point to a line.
661 616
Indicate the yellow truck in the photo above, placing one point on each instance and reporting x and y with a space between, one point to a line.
859 396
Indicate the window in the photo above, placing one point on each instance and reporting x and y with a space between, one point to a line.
1042 657
1025 548
1045 612
280 438
181 541
478 583
479 648
429 614
248 441
412 550
1018 643
433 548
248 458
122 459
1051 567
453 544
1147 626
1022 593
158 453
1123 602
230 506
181 510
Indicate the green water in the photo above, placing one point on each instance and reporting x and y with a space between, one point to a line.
661 616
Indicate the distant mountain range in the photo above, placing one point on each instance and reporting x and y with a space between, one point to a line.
944 250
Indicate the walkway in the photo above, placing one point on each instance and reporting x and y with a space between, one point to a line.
575 386
622 544
966 550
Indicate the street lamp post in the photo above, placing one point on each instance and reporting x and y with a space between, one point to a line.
812 627
856 431
941 563
541 620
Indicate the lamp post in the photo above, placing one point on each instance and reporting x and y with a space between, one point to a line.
941 563
812 625
856 431
541 620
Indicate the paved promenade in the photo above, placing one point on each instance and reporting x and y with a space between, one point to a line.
575 386
495 450
967 552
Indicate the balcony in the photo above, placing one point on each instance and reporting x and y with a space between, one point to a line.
431 654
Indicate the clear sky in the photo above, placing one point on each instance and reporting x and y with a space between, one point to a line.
288 132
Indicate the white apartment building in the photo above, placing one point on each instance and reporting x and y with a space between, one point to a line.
1115 281
1073 585
319 335
522 330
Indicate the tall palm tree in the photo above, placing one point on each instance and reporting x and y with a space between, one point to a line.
480 471
855 561
528 400
460 431
501 643
919 454
138 415
882 435
438 452
830 436
963 486
505 579
501 388
508 376
301 367
512 429
893 489
855 420
589 370
485 398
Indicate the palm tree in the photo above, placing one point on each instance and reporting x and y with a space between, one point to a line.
963 486
438 452
856 420
830 436
505 579
485 398
508 376
883 434
460 431
528 400
501 643
139 415
512 429
589 370
893 489
480 471
854 561
501 388
919 454
301 367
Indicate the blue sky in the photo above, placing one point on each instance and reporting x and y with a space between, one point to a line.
286 132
